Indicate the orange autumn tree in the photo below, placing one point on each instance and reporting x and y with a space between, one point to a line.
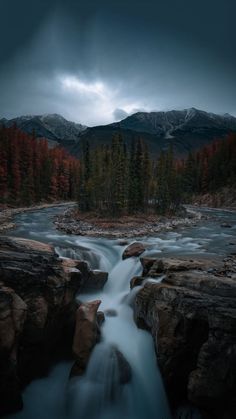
30 172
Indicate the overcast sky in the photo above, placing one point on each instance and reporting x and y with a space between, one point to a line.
97 61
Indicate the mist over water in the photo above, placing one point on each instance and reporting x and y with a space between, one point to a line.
99 393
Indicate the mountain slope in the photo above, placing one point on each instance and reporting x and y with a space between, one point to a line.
185 130
169 123
51 126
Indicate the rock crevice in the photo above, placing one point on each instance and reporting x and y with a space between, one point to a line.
192 317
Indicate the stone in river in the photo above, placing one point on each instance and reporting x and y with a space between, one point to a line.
86 335
134 249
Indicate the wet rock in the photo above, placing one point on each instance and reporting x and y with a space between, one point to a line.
147 264
189 412
92 280
100 318
12 318
226 225
125 372
37 313
134 249
192 318
122 242
86 335
96 280
164 265
111 312
136 281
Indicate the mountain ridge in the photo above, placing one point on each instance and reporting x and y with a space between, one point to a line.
186 129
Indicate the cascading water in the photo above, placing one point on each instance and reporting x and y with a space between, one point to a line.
99 393
144 395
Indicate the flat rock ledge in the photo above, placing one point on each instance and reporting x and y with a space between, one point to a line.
191 315
37 312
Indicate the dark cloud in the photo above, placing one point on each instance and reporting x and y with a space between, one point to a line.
91 61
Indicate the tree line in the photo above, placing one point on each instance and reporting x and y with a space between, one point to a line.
111 179
208 170
31 172
116 180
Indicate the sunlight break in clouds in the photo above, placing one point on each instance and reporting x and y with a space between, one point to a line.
101 101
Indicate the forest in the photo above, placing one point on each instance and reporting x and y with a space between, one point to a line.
31 172
115 180
209 169
111 179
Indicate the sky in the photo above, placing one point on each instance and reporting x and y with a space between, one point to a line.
96 62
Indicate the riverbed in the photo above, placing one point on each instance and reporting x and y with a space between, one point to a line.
55 397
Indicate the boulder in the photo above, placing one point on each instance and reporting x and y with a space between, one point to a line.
226 225
93 280
160 266
147 264
13 312
37 312
86 335
134 249
125 371
100 318
192 318
136 281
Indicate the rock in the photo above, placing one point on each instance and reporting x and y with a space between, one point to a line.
96 280
192 318
13 312
136 281
226 225
100 318
86 335
122 242
125 372
134 249
164 265
37 312
147 264
110 358
111 312
93 280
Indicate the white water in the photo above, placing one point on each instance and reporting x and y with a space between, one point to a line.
54 397
144 396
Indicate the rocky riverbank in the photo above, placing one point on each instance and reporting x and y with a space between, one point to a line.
72 222
191 315
7 214
37 312
224 198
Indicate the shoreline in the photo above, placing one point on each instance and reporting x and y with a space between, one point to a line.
124 228
7 215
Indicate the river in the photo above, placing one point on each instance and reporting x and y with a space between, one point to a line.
88 397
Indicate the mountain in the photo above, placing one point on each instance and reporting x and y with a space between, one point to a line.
169 124
53 127
186 130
